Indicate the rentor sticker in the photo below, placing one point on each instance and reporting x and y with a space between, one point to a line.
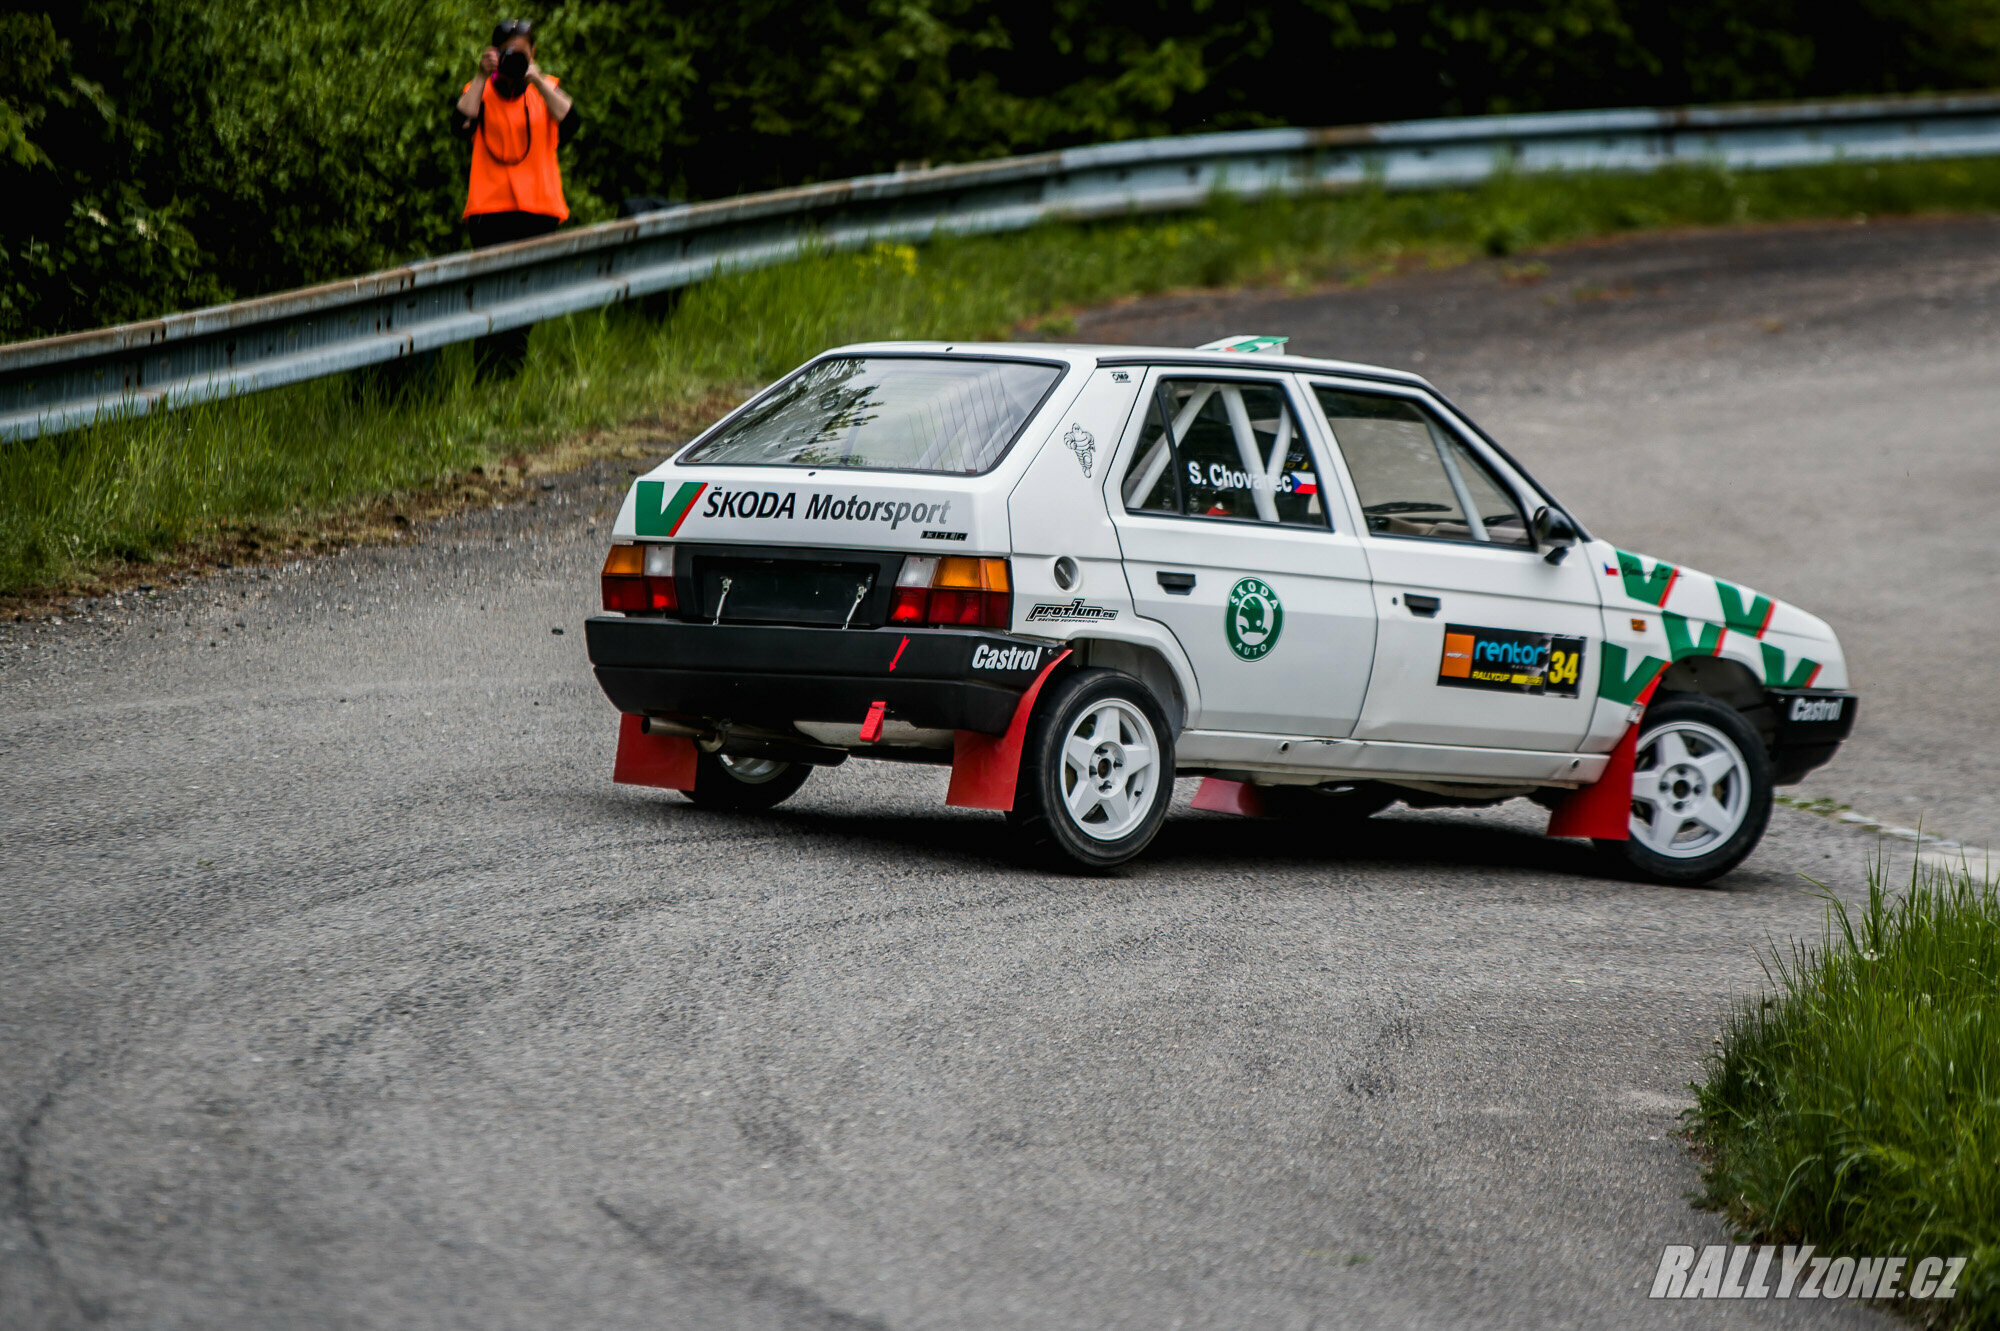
1510 661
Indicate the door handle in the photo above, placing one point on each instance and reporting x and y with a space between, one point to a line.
1427 606
1177 584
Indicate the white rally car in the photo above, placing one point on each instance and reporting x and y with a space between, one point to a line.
1074 573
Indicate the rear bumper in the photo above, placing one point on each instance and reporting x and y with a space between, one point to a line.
752 675
1811 726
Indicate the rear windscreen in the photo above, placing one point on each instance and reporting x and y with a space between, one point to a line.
887 413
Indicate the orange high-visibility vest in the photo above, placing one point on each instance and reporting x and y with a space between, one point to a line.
514 157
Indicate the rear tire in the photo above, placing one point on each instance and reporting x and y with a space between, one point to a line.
1701 793
745 784
1097 772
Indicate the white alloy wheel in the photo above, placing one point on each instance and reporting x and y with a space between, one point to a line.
1097 773
1110 766
1690 790
752 771
745 783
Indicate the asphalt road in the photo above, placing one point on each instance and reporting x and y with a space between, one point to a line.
339 986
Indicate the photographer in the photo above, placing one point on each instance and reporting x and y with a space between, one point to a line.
516 187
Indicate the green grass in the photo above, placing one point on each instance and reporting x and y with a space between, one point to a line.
1856 1106
77 505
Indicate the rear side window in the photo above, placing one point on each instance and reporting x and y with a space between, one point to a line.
1414 477
954 415
1222 450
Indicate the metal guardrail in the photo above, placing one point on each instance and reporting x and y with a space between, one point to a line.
62 382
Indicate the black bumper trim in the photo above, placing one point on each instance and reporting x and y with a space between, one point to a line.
1811 726
770 677
775 702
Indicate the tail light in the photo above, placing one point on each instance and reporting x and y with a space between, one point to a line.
639 579
953 590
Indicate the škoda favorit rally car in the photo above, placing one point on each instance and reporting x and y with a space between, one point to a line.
1075 573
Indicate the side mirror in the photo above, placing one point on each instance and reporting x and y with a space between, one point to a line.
1554 529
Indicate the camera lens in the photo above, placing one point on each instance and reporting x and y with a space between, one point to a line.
514 65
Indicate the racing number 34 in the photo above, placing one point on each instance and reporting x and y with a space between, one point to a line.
1509 660
1566 664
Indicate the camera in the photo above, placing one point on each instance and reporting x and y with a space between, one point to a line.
514 65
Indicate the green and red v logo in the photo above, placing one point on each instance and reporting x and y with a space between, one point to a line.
1652 588
1615 684
654 514
1802 676
1752 619
1680 644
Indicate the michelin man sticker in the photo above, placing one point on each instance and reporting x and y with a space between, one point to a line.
1084 444
1252 619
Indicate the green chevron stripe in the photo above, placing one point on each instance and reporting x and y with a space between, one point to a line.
1750 619
1642 586
1615 684
654 514
1774 669
1680 644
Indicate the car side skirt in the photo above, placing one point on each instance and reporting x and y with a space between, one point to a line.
1328 759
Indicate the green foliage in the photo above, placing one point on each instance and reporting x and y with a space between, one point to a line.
769 93
73 503
1857 1106
172 153
79 234
160 154
322 125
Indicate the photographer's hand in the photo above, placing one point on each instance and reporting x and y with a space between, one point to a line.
469 100
558 101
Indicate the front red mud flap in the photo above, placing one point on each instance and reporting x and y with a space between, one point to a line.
666 761
1219 796
985 768
1602 810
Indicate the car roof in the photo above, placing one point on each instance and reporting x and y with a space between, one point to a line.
1100 354
1087 355
1081 355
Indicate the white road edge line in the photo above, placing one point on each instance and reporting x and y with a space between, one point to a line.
1939 852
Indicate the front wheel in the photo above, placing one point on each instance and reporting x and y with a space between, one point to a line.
1701 793
1097 772
724 782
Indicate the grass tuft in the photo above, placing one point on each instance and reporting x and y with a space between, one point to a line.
79 505
1856 1105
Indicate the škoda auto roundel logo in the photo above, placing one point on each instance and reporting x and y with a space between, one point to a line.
1253 619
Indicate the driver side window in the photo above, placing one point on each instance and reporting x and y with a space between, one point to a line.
1224 450
1414 477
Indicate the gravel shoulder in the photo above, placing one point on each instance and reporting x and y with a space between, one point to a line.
339 986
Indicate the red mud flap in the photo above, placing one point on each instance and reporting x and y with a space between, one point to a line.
1602 810
666 761
1238 797
985 768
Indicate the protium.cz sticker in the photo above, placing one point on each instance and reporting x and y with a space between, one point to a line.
1514 662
